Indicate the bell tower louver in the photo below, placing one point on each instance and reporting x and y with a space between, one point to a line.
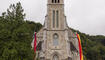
55 15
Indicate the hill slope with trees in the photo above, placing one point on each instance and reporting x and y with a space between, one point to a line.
93 46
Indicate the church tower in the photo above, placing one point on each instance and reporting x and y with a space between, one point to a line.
56 41
55 15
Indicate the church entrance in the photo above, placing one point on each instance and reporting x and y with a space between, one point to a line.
55 57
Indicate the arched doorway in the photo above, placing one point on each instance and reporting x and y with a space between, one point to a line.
55 57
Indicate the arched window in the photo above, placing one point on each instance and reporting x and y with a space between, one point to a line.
55 39
55 57
52 1
58 1
55 1
53 18
57 18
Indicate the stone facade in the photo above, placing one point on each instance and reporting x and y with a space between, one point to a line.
56 29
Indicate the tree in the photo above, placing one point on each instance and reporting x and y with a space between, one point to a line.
15 35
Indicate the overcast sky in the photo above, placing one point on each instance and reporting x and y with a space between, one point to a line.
87 16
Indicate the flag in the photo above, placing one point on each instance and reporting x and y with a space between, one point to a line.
35 42
80 47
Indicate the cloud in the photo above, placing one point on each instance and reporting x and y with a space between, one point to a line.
88 16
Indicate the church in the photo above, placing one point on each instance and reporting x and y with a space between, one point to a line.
55 40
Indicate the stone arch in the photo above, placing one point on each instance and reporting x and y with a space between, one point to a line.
55 55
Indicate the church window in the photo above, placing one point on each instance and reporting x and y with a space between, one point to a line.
53 18
55 1
55 57
57 18
58 1
52 1
55 39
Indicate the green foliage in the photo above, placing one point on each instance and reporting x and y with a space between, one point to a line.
16 34
93 46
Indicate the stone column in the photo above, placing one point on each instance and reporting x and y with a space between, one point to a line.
44 40
44 34
67 44
42 53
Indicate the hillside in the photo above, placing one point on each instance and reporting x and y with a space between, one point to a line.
93 46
